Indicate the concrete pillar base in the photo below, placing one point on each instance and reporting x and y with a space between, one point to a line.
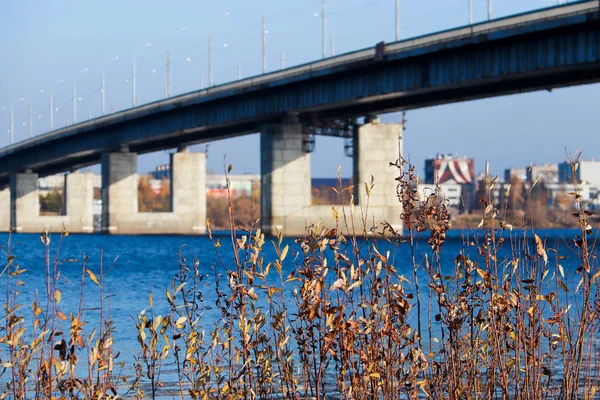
285 179
25 205
5 210
120 196
286 191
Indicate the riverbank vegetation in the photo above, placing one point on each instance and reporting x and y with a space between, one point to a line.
331 316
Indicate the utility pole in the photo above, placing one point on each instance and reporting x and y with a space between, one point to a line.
397 20
134 95
210 71
470 12
12 127
168 73
490 10
324 16
30 121
264 45
51 107
332 45
133 102
102 94
74 102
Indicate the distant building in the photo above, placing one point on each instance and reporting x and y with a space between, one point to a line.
519 173
588 171
547 173
448 168
455 177
451 192
162 172
239 185
50 183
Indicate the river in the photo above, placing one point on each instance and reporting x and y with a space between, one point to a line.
136 265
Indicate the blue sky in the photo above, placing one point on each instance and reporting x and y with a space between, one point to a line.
47 40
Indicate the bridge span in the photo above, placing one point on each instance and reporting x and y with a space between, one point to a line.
546 49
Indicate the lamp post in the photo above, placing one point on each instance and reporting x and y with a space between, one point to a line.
470 12
63 80
103 88
83 71
397 20
168 91
12 119
324 28
210 71
133 82
31 117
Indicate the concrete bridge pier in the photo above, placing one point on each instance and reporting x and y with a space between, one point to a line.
286 192
120 213
375 146
4 210
25 204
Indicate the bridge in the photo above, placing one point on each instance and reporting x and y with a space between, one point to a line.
540 50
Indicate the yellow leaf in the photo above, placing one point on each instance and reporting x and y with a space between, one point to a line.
355 285
150 300
375 375
57 296
540 249
284 252
62 316
272 291
484 275
180 321
339 284
92 276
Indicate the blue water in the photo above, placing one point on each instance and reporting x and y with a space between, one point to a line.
136 265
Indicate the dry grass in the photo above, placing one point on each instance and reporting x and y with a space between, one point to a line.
345 323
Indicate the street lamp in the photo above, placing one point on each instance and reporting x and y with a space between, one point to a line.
12 119
168 91
63 80
102 88
75 93
31 117
133 86
397 21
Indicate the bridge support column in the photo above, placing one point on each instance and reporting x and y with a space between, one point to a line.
375 146
285 179
5 210
120 196
25 205
286 191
